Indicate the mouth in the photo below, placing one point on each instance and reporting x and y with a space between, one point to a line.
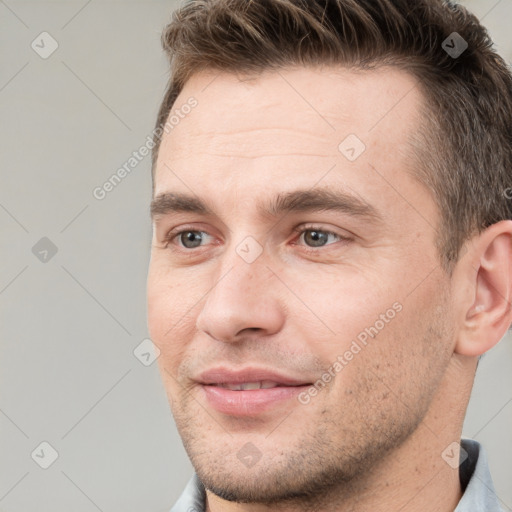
250 391
246 386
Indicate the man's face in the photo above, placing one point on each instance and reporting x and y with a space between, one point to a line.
267 291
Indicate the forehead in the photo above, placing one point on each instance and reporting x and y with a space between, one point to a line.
288 128
329 95
304 110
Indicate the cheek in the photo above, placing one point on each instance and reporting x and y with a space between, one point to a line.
369 322
173 303
340 307
403 360
381 370
157 307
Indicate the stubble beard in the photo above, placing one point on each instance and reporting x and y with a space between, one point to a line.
317 465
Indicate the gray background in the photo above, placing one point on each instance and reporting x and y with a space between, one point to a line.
69 326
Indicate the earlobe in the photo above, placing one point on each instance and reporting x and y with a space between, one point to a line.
490 312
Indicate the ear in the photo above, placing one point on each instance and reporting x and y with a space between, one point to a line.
485 273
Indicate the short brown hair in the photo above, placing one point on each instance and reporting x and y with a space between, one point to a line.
464 151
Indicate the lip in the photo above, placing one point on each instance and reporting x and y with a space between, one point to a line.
252 401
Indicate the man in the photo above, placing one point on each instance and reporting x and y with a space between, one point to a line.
331 252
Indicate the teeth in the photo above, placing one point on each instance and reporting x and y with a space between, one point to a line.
250 385
243 386
267 384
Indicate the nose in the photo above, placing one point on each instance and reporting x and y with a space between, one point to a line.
243 302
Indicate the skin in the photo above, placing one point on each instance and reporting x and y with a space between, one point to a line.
373 438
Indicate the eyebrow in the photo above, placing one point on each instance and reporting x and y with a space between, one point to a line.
310 200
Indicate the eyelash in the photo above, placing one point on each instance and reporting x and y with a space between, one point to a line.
172 235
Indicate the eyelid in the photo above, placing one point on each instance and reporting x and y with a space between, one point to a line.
318 227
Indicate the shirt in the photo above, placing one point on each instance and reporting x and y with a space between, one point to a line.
475 478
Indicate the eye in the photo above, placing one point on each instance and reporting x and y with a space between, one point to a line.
311 237
191 239
188 238
315 237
